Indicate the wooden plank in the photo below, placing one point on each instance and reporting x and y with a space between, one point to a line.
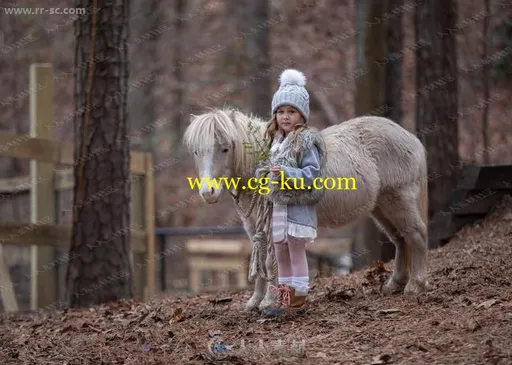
441 227
15 185
497 177
22 233
44 149
7 293
221 263
479 203
468 176
149 214
42 203
63 180
223 247
137 220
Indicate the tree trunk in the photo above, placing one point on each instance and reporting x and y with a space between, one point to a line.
436 95
485 83
100 270
8 81
394 64
145 30
379 89
179 82
258 52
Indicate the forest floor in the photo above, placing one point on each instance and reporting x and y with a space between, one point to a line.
466 318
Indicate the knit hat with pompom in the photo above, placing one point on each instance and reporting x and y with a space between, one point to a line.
292 92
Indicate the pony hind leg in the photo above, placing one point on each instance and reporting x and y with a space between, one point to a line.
402 211
401 264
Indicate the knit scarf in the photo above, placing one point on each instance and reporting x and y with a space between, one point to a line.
279 211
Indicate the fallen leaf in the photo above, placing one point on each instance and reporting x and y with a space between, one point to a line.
418 346
381 359
214 333
176 316
388 311
220 300
487 304
341 294
322 355
66 329
473 325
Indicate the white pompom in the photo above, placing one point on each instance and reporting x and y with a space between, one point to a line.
292 77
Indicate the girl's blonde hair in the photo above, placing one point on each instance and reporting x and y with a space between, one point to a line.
272 129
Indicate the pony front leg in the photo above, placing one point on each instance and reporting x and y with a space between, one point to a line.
262 296
269 299
260 286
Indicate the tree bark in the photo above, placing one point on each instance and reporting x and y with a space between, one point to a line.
394 63
371 89
258 53
485 83
145 29
99 270
436 95
179 91
8 81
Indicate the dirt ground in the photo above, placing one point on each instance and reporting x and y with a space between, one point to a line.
465 319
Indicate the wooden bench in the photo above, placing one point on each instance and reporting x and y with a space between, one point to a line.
479 188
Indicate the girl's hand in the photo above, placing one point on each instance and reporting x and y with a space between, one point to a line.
275 170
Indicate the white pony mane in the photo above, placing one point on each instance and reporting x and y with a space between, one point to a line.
227 125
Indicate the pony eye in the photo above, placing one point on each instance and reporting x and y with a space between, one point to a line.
225 150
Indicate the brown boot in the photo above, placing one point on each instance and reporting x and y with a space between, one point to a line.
287 302
297 302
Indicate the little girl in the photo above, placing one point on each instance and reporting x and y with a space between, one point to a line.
297 156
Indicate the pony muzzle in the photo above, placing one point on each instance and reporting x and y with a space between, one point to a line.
209 194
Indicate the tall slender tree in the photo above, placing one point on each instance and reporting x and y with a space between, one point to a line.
379 44
258 53
436 95
178 126
145 29
485 84
8 80
99 270
394 62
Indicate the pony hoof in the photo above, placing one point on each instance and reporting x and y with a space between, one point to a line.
251 305
250 308
416 287
265 304
392 287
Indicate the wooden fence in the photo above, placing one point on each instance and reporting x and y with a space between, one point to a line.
42 233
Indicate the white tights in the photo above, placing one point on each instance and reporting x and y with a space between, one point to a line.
293 264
